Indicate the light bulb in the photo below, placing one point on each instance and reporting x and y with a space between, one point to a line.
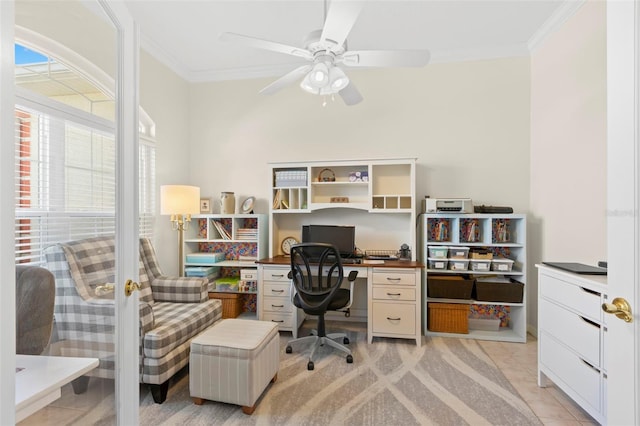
338 79
319 75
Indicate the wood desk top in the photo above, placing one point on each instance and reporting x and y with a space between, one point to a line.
286 260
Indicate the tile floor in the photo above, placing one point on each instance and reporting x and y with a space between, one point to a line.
517 361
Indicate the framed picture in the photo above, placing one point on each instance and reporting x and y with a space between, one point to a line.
205 205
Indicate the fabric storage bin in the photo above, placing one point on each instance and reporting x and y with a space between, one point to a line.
458 264
456 252
437 263
502 264
448 317
496 290
438 251
449 287
480 265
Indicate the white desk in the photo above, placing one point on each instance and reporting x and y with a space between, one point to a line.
394 298
39 383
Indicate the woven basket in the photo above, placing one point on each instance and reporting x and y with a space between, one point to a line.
448 317
231 303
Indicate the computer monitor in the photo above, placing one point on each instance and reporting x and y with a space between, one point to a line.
343 237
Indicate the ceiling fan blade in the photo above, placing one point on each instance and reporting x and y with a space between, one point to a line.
259 43
350 94
286 80
386 58
341 16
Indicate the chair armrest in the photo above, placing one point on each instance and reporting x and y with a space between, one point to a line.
147 320
180 289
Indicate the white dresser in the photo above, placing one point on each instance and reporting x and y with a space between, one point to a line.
571 336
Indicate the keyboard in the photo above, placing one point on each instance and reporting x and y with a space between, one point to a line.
382 257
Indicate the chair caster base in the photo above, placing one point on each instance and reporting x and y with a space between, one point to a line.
349 359
288 350
310 365
345 340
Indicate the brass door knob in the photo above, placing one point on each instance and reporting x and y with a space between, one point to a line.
620 308
130 286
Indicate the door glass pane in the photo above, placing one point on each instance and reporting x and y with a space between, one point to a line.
65 211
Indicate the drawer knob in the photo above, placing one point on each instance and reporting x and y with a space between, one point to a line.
620 308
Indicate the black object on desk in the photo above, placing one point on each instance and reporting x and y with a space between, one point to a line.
577 268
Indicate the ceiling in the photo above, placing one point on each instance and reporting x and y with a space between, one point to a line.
184 34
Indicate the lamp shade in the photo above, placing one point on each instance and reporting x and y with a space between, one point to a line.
179 199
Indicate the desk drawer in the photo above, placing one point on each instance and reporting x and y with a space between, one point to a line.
277 289
574 297
396 277
572 329
284 321
394 293
394 318
275 274
277 304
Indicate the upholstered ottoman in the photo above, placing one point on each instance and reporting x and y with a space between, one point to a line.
233 361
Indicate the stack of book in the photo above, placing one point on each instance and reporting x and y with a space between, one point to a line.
247 233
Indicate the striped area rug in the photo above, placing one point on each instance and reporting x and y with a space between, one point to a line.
391 382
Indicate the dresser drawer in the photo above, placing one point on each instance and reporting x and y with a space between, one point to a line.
577 374
393 293
276 289
581 300
284 321
573 330
394 276
394 318
277 304
275 274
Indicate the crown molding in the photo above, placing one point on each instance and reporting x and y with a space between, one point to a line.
565 11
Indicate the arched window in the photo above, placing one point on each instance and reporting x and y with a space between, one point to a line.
65 150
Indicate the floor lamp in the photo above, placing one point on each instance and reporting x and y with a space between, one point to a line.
180 202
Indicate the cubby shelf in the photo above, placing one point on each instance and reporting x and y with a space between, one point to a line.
502 234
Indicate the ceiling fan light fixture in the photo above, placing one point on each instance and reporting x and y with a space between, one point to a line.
319 75
338 79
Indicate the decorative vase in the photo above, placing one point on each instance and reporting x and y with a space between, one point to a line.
227 203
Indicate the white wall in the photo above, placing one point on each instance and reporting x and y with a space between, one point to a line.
165 97
467 124
568 145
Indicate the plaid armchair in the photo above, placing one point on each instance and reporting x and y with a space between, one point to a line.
173 310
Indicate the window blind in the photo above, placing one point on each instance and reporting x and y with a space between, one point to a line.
65 181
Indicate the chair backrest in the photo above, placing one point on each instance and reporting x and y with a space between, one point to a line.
35 296
316 273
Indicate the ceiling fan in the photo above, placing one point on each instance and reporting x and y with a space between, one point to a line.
326 50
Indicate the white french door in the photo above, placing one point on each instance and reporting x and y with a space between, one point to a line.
623 224
123 48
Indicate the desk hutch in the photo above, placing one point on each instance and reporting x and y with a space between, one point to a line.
378 197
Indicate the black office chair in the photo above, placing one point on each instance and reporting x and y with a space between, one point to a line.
317 274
